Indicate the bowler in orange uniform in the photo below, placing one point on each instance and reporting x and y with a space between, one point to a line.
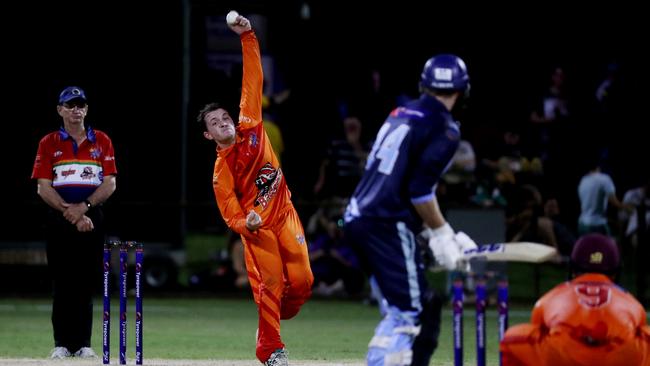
587 321
255 202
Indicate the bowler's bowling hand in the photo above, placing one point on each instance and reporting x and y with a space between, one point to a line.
253 221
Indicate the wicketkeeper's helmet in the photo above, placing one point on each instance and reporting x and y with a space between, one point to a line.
595 253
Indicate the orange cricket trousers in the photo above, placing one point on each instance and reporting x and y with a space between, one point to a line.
277 262
523 346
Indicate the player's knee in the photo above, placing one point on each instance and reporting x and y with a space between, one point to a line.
298 290
305 286
291 304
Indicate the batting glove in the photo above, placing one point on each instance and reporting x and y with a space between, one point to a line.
444 247
464 242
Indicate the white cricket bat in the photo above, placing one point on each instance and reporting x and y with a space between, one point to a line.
513 252
507 252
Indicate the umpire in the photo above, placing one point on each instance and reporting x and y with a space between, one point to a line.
75 172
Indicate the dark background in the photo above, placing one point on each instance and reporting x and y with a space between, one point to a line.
128 56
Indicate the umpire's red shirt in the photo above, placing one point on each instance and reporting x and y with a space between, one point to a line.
75 170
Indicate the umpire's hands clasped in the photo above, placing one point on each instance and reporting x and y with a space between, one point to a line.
74 212
85 224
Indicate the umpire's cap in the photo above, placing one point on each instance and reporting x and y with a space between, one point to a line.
595 253
70 93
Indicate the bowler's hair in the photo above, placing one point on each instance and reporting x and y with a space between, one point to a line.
207 109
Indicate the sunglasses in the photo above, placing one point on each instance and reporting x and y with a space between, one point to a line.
73 104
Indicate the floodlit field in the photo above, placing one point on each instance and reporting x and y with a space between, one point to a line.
213 331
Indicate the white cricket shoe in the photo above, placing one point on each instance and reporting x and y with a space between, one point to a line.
278 358
86 352
60 353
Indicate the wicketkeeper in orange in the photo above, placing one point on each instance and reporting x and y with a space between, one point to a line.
586 321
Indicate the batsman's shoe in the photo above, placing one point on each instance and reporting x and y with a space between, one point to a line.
86 352
59 353
278 358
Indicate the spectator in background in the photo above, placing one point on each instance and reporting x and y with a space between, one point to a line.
608 91
238 260
343 164
272 129
563 235
75 172
528 222
505 167
609 106
636 198
502 166
459 179
555 103
550 116
586 321
371 101
333 261
597 191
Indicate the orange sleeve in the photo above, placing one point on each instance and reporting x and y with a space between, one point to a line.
231 211
550 303
537 316
250 114
640 312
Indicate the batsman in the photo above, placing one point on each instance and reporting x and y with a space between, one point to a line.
393 200
255 202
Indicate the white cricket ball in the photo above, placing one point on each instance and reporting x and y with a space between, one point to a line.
231 18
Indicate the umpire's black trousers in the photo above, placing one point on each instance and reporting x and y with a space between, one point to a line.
75 267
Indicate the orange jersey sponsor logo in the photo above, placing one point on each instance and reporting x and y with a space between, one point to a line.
267 182
245 119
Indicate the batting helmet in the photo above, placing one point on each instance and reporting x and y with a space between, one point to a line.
445 72
595 253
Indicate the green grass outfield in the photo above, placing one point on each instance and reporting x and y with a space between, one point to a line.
325 331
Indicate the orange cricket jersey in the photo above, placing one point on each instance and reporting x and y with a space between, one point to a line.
590 307
586 321
247 174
